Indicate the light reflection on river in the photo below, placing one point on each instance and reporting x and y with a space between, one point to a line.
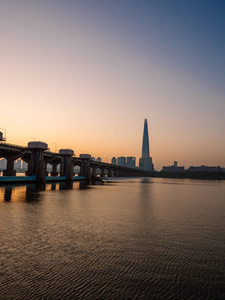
130 239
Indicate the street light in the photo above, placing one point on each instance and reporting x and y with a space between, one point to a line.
4 138
55 146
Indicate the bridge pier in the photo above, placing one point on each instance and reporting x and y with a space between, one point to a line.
115 173
30 166
66 166
54 169
119 173
102 174
36 164
85 168
93 172
129 173
81 169
10 165
109 173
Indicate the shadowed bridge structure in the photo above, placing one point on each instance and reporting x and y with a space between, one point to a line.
37 156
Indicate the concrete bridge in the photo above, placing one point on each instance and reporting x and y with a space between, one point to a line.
37 156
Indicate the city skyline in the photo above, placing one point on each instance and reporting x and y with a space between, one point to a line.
84 75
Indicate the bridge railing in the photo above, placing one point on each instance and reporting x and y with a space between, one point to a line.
12 145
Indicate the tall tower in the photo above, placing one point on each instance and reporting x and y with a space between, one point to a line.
146 161
145 143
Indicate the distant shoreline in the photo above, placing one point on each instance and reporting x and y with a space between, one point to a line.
191 175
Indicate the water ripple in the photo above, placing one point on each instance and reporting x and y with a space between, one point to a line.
126 241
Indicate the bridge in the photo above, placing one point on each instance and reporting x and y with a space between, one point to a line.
37 156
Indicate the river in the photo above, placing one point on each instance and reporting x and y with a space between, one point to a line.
144 238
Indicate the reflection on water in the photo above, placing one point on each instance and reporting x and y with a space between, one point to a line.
30 192
8 193
147 238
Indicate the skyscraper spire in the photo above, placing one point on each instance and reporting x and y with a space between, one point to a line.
146 161
145 143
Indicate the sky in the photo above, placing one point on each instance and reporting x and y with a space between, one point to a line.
85 74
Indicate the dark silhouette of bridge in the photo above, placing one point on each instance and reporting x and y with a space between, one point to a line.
37 156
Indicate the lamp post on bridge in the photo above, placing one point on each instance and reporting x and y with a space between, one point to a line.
3 138
55 147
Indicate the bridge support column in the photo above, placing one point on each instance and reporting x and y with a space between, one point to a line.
115 173
10 165
119 173
85 169
54 169
36 164
93 173
102 172
66 166
81 169
30 166
109 173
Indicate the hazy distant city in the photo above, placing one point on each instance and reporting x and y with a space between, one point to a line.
21 166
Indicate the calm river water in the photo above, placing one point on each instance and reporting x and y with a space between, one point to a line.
129 239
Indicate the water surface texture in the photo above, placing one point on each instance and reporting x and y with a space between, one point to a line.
130 239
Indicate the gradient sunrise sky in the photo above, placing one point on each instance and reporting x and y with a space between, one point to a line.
84 75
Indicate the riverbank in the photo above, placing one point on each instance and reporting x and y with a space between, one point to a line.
190 175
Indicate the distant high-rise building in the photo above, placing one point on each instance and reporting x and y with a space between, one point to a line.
145 142
24 165
49 168
131 161
3 164
18 164
113 161
121 161
146 161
